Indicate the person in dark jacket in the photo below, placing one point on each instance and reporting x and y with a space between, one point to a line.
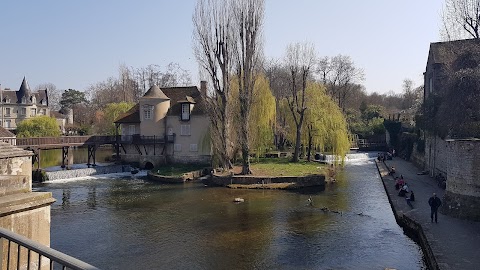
410 199
434 203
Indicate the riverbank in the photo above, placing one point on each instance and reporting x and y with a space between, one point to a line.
449 244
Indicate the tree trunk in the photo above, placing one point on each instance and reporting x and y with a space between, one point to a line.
309 145
297 143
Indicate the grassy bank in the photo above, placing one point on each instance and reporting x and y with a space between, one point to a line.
283 167
261 167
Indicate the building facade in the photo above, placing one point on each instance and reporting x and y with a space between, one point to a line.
168 125
453 159
17 106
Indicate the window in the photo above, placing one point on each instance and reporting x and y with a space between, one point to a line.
185 130
8 123
193 147
24 111
43 111
33 99
147 112
7 111
185 111
430 85
33 112
177 147
43 102
24 100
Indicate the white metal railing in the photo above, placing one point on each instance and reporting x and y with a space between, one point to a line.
20 252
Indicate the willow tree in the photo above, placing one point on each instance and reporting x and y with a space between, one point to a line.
262 116
261 121
213 40
325 127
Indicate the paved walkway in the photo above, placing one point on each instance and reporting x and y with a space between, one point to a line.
455 243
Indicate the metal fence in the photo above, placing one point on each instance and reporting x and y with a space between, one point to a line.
19 252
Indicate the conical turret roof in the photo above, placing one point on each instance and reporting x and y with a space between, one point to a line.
155 92
24 91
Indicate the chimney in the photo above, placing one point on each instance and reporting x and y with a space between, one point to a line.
203 88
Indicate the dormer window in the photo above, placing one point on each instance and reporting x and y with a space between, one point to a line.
33 99
43 102
24 100
185 112
147 112
6 100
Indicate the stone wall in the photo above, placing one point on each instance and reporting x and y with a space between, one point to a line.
18 166
66 174
462 197
201 159
418 158
21 211
436 154
155 156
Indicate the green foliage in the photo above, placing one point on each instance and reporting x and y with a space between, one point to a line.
110 113
262 116
71 97
371 112
39 126
39 176
324 122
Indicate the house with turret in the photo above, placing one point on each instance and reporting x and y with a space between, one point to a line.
17 106
168 125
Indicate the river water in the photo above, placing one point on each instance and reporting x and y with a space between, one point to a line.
131 223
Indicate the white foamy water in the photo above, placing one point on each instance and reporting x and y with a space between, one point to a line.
141 173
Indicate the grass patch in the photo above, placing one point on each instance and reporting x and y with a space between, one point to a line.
284 167
177 170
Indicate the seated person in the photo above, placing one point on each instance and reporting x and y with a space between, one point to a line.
397 183
392 170
403 191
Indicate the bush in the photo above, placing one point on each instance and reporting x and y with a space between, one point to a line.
39 176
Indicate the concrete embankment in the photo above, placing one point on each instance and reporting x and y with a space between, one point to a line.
289 182
452 243
410 226
66 174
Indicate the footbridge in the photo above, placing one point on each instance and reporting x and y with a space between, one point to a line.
36 144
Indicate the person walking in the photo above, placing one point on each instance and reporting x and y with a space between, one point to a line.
434 203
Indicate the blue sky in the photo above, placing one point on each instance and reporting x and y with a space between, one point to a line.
74 44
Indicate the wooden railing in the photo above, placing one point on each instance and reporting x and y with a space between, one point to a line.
88 140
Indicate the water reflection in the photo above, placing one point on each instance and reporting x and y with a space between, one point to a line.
65 198
76 155
136 224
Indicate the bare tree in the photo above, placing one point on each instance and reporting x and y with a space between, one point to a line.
212 20
300 60
248 20
53 93
460 20
340 76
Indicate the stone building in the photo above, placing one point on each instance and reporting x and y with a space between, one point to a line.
22 211
455 159
167 125
17 106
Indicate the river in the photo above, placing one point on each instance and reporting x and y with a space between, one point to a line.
131 223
